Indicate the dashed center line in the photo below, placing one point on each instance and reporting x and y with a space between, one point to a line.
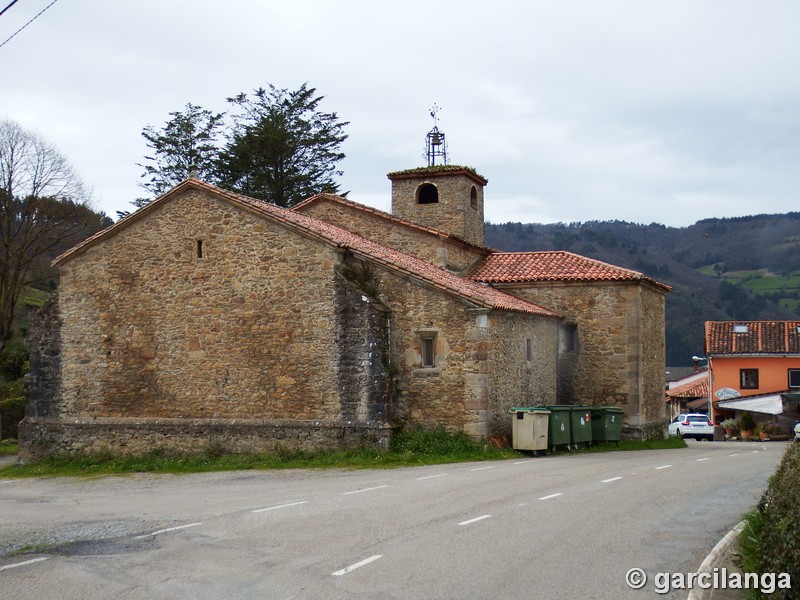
612 479
377 487
702 459
431 476
475 520
734 454
552 496
168 529
663 467
481 468
355 566
23 563
260 510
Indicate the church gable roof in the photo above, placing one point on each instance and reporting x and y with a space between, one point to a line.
525 267
388 217
471 291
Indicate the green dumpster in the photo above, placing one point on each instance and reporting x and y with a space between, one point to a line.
607 424
558 427
529 428
580 419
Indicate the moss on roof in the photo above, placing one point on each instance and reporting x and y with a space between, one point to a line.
435 169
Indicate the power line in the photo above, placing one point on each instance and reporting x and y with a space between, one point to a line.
13 2
39 14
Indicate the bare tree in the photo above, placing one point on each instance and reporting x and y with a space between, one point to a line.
42 208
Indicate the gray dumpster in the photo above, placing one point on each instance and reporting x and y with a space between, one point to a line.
529 428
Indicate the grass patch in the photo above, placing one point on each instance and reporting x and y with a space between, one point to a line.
748 559
8 447
413 447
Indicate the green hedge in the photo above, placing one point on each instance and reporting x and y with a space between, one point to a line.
779 542
12 410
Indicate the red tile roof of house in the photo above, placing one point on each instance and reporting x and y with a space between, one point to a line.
752 337
480 295
522 267
693 389
324 197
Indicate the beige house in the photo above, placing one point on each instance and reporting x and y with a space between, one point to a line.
211 320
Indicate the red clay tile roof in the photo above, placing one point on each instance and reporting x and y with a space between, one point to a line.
693 389
756 337
519 267
308 202
476 293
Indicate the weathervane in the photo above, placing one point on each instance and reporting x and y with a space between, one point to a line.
435 145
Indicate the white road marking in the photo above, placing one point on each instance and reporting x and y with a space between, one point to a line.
260 510
734 454
663 467
431 476
355 566
612 479
475 520
377 487
756 451
481 468
168 529
26 562
552 496
524 462
702 459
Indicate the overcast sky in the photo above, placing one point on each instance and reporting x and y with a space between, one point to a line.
664 111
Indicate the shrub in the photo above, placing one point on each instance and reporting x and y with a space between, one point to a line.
779 543
12 410
746 422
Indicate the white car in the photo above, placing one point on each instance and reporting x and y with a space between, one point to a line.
692 425
797 432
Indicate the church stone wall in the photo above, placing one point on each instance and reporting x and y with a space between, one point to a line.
620 347
249 328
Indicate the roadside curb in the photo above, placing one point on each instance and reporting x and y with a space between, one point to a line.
719 557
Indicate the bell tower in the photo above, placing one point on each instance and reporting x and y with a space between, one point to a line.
440 196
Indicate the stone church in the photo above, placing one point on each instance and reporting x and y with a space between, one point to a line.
210 320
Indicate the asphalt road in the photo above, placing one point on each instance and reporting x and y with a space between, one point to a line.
546 527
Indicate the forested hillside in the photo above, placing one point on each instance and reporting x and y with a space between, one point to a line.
719 269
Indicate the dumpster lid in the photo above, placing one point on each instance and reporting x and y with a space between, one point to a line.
542 409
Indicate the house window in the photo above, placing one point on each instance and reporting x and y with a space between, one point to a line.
427 194
428 350
748 379
740 329
473 197
529 349
569 338
794 378
198 247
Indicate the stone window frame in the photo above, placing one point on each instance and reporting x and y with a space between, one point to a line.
748 379
427 338
473 197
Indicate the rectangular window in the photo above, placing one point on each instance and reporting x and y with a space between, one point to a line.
529 349
748 379
198 246
568 338
428 350
794 378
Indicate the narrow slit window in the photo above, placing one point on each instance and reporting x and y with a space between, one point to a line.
529 349
428 351
199 248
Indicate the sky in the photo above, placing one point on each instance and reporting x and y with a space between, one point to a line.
658 111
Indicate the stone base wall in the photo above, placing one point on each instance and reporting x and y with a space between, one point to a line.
79 436
653 430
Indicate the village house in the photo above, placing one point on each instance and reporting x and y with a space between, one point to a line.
754 366
211 320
